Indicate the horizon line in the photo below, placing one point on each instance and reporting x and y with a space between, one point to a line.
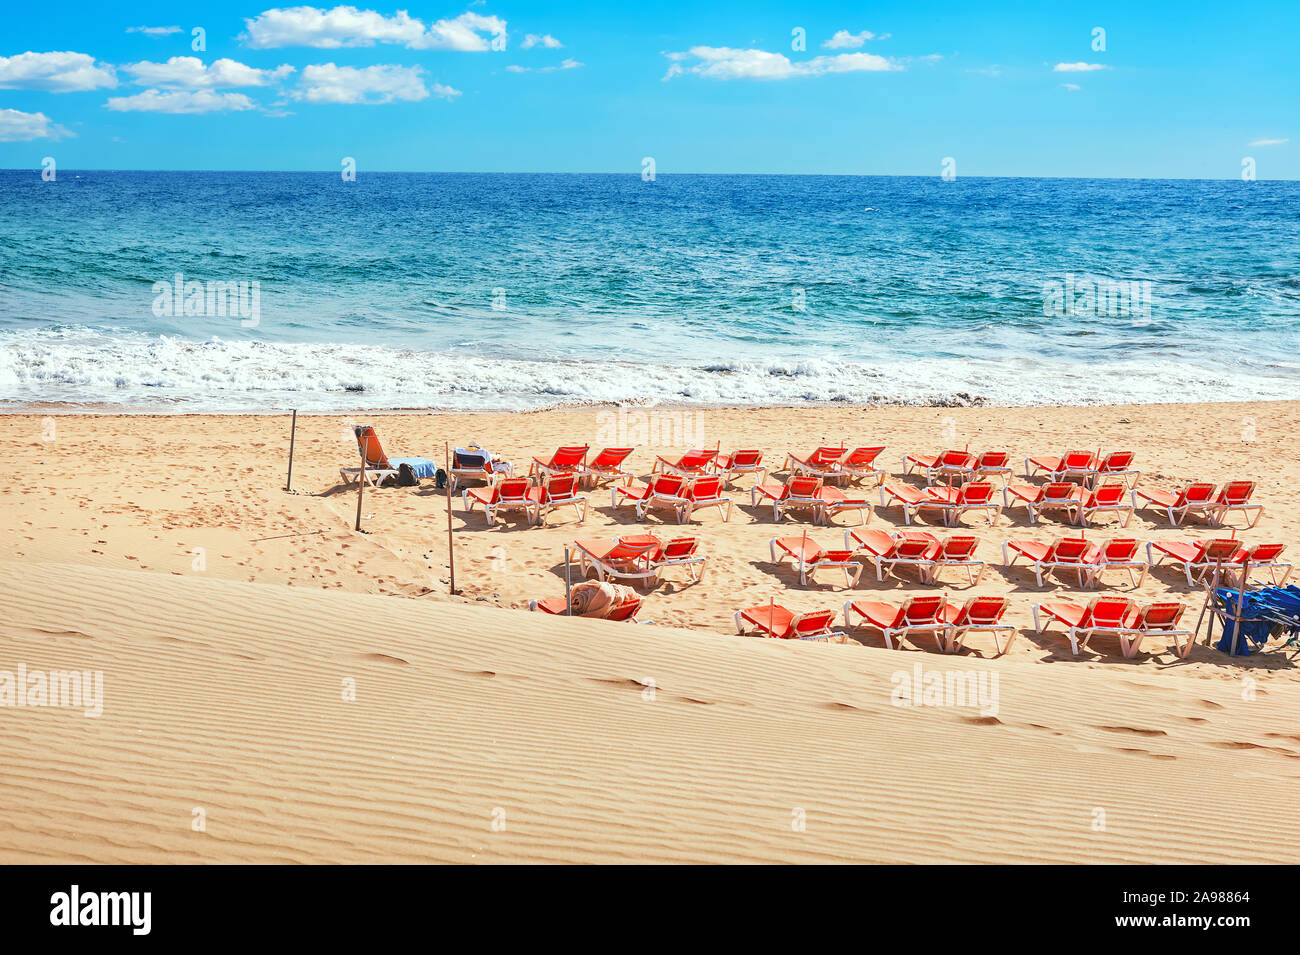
471 172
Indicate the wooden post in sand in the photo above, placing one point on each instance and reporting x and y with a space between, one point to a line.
293 431
451 552
1209 596
361 481
803 553
1241 598
568 587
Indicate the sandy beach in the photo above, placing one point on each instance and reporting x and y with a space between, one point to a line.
231 620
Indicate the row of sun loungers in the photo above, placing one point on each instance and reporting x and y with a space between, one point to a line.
684 496
834 464
1198 559
921 551
1076 503
674 492
949 624
816 482
519 495
641 558
1090 560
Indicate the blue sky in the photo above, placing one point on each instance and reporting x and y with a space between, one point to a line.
1181 90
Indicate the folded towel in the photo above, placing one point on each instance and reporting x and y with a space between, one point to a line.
593 598
423 467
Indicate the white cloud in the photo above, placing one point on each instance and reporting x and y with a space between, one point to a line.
469 33
19 127
532 39
843 40
566 64
347 26
1269 142
726 63
189 73
327 83
1072 87
154 31
56 72
180 101
1078 67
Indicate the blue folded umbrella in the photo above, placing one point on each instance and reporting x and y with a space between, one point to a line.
1269 610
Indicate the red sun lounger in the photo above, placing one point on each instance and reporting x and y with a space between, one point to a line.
858 466
1109 615
1265 557
957 550
1118 553
667 488
1197 498
626 611
568 460
952 503
977 615
993 464
1087 559
1198 558
1110 498
510 494
738 463
691 464
1157 619
945 464
914 615
379 467
890 551
803 493
702 493
808 557
1235 496
823 463
637 557
1065 553
1118 464
607 467
1057 497
1071 464
774 620
558 491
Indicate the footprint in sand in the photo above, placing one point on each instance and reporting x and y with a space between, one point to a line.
1146 753
1243 744
382 658
1132 729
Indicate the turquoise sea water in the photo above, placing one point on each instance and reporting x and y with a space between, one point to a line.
523 291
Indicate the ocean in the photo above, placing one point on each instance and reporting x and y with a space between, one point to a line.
244 291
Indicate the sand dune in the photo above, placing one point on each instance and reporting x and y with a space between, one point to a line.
228 697
225 664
